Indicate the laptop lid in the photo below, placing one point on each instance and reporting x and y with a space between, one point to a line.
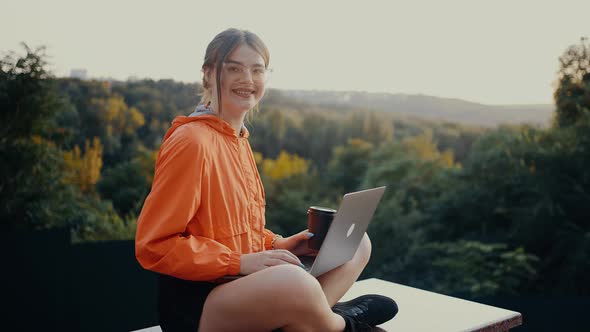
347 229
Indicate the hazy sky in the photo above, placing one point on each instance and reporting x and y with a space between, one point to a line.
493 52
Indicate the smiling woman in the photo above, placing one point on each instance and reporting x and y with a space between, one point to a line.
204 219
237 61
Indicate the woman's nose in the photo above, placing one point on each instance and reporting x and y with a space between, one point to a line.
247 75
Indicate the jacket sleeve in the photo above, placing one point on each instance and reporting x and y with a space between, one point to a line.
161 243
268 236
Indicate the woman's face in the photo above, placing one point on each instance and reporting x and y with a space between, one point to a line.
243 79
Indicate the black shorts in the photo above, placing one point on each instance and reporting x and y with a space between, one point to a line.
180 303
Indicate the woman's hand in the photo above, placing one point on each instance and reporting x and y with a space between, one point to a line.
254 262
297 244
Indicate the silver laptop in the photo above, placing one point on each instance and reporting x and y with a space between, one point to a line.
345 233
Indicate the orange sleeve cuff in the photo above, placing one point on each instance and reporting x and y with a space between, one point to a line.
234 264
268 236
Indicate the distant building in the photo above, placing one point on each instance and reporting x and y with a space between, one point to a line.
79 73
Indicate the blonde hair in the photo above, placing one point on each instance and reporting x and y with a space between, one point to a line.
217 52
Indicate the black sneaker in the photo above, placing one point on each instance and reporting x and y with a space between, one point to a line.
366 311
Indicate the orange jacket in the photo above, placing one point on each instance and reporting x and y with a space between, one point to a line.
206 207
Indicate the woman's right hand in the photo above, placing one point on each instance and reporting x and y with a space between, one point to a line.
250 263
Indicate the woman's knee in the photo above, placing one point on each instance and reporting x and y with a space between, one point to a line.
295 284
281 291
293 277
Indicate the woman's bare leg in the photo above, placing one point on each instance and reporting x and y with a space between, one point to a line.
338 281
283 296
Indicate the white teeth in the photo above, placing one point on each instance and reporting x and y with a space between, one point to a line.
244 93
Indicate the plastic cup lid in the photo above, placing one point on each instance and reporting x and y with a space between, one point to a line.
322 209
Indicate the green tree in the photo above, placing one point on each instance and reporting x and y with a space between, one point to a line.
470 268
28 99
572 96
128 183
348 165
528 188
31 192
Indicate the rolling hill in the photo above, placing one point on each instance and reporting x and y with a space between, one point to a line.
421 106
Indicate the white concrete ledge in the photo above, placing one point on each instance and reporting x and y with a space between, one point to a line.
150 329
421 310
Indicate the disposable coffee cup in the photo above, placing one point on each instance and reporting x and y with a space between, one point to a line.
319 221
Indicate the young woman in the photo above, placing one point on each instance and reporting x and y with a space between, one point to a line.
204 219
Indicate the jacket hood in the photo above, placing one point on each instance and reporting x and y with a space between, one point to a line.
207 117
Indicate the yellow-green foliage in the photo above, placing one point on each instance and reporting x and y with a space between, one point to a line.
286 165
117 116
423 147
84 170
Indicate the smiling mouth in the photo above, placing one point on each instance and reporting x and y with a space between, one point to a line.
243 93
